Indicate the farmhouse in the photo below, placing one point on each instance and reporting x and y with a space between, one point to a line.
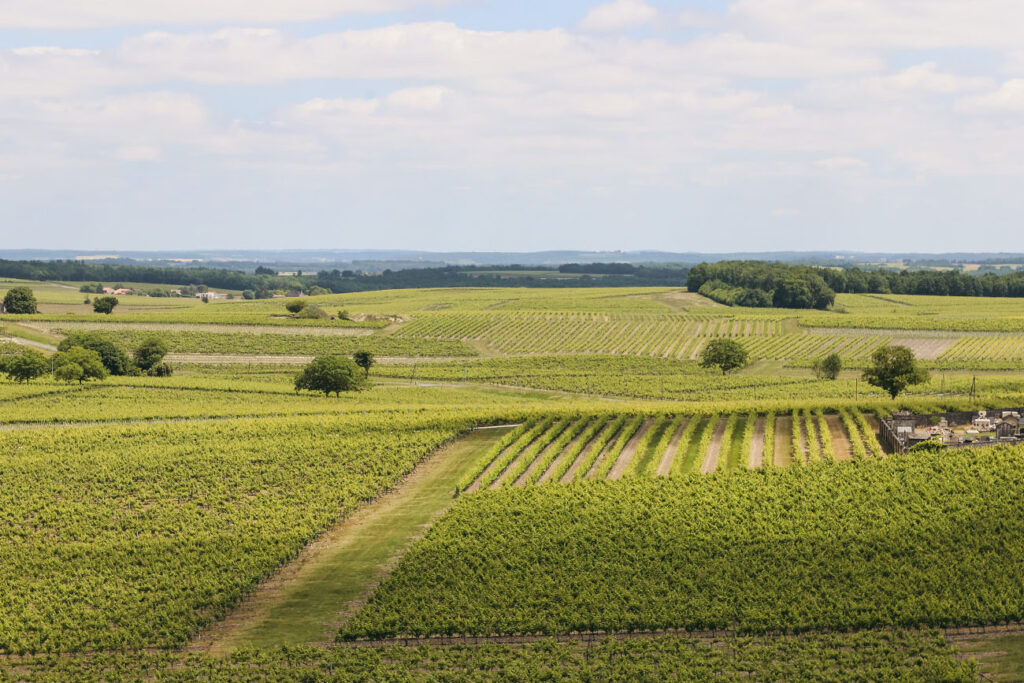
120 291
904 430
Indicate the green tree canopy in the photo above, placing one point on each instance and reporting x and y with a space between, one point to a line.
150 352
295 305
330 375
78 364
365 360
27 367
893 369
724 354
828 367
20 300
114 359
104 304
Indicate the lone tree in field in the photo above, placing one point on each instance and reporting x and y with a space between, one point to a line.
104 304
78 365
295 306
894 368
27 367
150 352
331 375
724 354
828 367
365 360
20 300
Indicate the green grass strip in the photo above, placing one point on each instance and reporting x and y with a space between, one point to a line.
798 450
556 448
574 452
491 455
870 440
644 450
625 435
514 450
531 453
726 454
662 445
769 440
827 450
813 442
687 444
602 441
853 430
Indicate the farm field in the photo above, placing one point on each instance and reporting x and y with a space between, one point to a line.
207 520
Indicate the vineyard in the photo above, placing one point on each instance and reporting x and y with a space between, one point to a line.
550 450
891 655
625 489
187 524
659 335
795 549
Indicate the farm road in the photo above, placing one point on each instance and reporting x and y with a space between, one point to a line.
308 599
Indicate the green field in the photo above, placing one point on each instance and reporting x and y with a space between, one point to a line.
217 521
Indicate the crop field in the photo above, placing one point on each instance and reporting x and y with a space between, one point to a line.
614 447
796 549
659 335
534 484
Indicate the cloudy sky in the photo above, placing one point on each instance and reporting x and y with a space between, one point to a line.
494 125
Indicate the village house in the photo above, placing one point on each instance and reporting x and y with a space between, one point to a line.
904 430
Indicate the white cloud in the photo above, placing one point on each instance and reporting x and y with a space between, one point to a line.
901 24
1009 97
620 15
65 14
840 163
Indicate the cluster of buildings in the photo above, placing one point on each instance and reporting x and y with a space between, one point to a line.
904 430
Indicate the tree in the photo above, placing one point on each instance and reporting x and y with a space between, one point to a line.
78 364
365 360
828 367
160 370
104 304
20 300
114 359
27 367
248 294
150 352
725 354
893 369
331 375
295 305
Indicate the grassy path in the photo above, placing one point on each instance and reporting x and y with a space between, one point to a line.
308 599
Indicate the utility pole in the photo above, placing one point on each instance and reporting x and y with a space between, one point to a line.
974 383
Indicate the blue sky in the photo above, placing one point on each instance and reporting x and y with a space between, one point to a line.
482 125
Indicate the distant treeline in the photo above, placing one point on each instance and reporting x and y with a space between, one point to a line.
606 275
938 283
761 285
76 271
265 280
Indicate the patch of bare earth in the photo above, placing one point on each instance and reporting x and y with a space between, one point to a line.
757 444
783 429
840 439
665 466
629 451
714 448
926 349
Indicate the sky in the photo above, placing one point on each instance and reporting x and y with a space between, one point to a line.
488 125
